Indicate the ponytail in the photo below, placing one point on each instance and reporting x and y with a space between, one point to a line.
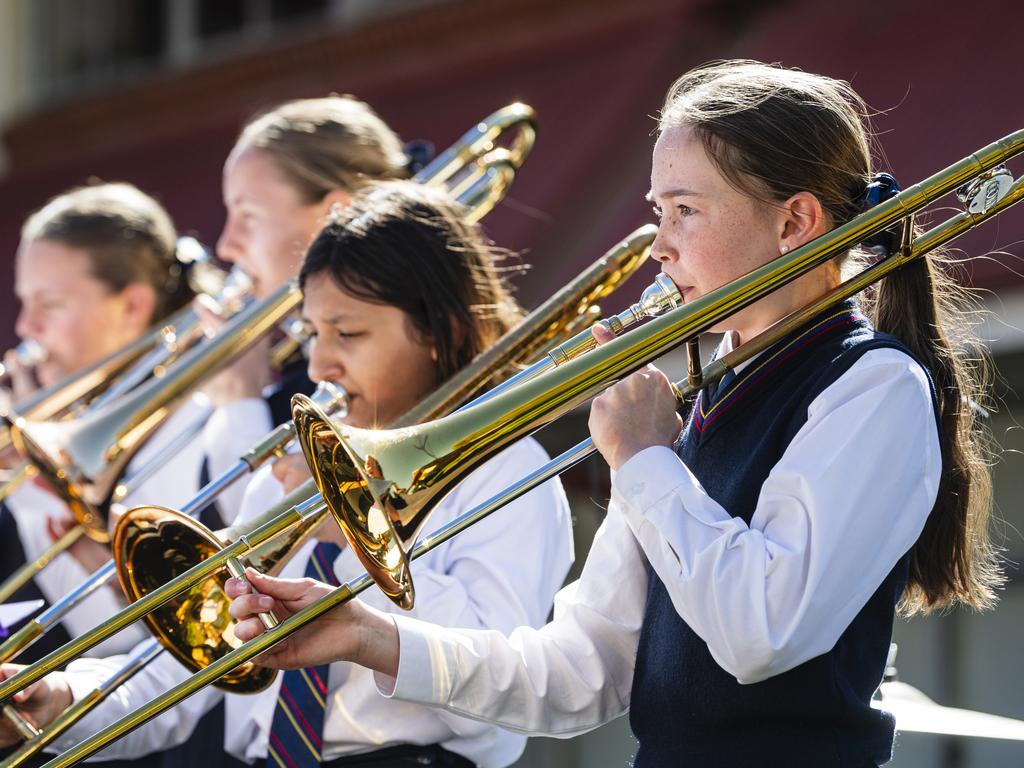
953 561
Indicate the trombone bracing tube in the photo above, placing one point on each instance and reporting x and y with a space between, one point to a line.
498 165
577 379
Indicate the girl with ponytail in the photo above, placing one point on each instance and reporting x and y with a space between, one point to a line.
739 597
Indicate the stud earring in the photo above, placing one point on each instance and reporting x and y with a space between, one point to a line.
784 249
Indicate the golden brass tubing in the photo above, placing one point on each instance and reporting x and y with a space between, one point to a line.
922 244
405 475
293 515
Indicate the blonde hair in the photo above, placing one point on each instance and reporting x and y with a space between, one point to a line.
335 142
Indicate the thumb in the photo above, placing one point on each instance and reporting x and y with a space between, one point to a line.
601 334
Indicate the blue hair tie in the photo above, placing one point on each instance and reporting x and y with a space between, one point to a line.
418 153
883 187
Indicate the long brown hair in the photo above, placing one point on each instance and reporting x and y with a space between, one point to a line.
411 247
773 132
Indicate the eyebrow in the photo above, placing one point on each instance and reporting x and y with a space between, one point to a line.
332 320
680 192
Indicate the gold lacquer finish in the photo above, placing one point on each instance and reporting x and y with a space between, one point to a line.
83 458
159 545
515 123
382 484
406 471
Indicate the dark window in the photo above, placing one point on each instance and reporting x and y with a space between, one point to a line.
220 17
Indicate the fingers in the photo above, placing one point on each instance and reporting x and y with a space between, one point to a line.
9 670
285 590
207 310
245 610
235 588
37 688
601 334
288 465
291 471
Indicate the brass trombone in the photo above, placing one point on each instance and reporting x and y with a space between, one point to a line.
481 188
153 544
412 468
83 458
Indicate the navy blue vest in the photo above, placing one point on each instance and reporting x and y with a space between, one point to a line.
686 710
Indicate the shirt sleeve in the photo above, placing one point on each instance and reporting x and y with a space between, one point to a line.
848 498
565 678
231 431
170 729
502 572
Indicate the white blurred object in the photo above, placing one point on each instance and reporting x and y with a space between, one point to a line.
12 613
28 353
914 711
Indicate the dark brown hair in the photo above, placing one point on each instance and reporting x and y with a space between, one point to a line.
773 132
334 142
127 235
411 247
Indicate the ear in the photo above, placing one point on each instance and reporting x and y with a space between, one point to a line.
801 219
336 199
138 302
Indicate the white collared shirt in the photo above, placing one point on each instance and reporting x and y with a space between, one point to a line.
231 431
847 499
499 574
174 483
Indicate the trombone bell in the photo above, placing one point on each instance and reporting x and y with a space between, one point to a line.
382 484
194 626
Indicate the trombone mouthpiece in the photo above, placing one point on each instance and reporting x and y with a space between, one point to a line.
657 299
332 398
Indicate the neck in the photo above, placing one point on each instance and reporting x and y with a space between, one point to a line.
795 296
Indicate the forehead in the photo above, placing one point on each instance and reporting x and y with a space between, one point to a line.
51 257
679 158
323 300
251 173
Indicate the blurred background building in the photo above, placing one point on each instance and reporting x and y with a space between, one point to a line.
154 91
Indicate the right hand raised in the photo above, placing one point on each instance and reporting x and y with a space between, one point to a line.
40 702
22 379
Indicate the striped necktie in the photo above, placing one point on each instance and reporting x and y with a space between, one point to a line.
296 732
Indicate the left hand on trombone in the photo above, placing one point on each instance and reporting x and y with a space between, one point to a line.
634 414
351 632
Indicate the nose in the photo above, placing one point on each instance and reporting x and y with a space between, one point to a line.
323 364
27 324
662 249
229 247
